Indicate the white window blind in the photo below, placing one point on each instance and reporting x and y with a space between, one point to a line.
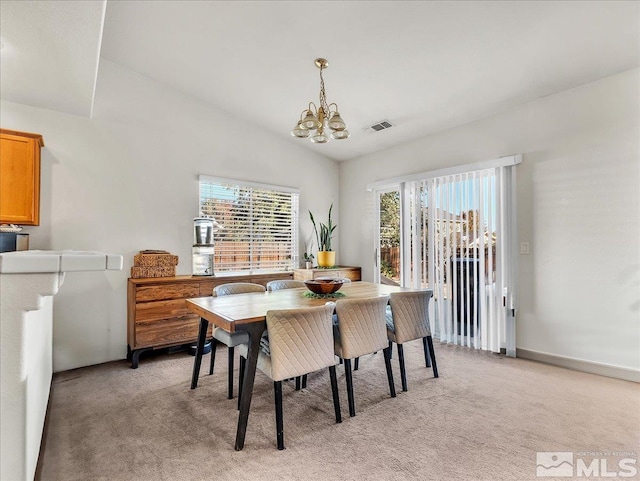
259 230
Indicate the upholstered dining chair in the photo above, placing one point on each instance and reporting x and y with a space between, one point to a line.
287 284
230 339
361 330
300 341
283 284
407 320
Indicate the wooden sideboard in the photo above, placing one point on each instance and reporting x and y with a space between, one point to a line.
352 273
157 314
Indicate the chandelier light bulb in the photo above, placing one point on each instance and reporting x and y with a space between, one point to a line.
319 139
300 132
340 134
336 122
310 121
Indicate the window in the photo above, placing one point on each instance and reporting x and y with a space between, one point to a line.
259 222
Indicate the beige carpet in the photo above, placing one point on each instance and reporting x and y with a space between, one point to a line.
483 419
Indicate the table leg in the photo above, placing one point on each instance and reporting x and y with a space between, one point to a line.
255 330
202 337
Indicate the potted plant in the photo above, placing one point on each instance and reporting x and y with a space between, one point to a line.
326 255
308 253
308 260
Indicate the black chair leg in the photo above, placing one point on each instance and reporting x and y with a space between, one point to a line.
212 362
231 356
427 358
349 377
390 350
433 356
387 361
243 363
304 382
277 389
334 390
298 381
403 373
356 364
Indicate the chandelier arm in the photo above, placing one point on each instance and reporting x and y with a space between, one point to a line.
329 111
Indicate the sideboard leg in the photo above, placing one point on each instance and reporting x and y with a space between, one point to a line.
135 356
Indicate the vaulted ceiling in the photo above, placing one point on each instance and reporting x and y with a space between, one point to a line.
423 66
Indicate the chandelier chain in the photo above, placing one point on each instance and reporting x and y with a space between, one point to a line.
323 95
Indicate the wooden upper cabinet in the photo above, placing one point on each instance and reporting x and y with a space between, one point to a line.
20 177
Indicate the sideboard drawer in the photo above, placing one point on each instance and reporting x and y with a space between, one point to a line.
168 332
161 292
206 287
152 311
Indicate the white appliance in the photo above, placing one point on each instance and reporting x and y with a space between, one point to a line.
203 245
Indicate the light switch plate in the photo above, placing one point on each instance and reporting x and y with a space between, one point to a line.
524 248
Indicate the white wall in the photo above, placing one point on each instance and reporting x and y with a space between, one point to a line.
578 206
25 368
127 180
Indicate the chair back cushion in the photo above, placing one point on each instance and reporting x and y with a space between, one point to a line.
362 327
283 284
410 314
300 341
237 288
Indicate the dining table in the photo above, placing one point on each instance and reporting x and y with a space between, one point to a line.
248 313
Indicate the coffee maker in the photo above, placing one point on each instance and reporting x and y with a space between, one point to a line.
203 246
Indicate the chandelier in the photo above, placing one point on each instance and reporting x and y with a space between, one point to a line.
321 118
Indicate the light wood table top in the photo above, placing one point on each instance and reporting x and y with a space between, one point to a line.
228 312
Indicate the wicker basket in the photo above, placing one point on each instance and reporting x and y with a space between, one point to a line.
138 272
154 264
155 259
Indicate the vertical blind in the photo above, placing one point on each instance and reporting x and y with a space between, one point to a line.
259 222
463 257
470 226
458 237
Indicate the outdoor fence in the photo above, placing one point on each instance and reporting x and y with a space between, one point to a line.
230 256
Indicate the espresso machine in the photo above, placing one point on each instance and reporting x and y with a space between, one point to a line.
203 246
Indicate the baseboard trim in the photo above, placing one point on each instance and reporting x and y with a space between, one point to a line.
608 370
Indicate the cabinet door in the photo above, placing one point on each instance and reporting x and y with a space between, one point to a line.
353 274
303 274
19 179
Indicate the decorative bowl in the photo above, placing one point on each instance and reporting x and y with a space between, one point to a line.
324 285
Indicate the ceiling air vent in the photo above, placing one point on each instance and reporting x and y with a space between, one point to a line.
378 126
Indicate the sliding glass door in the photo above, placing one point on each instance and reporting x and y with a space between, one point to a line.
388 258
455 234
